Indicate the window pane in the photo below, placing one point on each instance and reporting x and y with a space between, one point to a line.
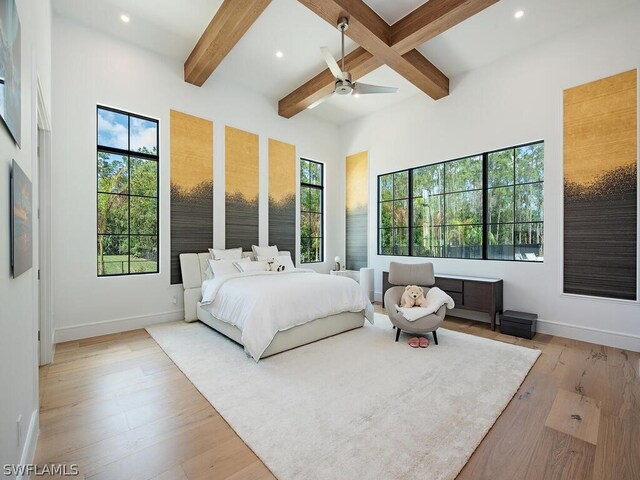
529 202
315 173
113 254
313 200
304 171
428 180
113 214
528 242
310 225
530 163
500 168
500 203
315 250
401 185
113 173
143 136
401 241
500 242
386 187
464 208
113 129
386 237
144 177
386 215
428 241
144 254
464 241
401 213
144 215
464 174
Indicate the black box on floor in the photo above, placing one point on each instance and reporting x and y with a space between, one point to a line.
519 324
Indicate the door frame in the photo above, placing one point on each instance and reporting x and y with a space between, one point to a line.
42 276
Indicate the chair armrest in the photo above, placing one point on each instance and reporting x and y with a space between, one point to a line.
392 298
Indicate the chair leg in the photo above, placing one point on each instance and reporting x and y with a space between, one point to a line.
397 334
435 337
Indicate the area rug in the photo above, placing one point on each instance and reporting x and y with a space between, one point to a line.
357 405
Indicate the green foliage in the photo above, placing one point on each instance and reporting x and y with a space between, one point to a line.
447 205
127 204
311 211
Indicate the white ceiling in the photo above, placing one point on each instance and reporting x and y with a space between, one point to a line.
172 28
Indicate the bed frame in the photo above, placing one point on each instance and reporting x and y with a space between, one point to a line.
194 267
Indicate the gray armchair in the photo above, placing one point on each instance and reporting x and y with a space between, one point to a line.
403 274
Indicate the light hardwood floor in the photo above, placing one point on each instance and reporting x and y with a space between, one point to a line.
119 408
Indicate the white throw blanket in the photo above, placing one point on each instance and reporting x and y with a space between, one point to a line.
261 304
435 299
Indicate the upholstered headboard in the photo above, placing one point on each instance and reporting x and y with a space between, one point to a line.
194 271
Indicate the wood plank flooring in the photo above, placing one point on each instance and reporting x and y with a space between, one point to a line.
119 408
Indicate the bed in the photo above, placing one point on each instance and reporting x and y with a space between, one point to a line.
293 326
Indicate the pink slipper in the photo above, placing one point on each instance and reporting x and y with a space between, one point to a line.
423 342
414 342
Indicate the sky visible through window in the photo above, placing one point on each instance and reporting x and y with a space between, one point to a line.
113 131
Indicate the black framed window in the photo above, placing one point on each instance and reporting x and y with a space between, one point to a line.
311 211
515 203
127 193
393 213
485 206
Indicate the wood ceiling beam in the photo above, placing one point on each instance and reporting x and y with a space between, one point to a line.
230 23
431 19
392 45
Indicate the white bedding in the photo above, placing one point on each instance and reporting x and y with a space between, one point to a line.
261 304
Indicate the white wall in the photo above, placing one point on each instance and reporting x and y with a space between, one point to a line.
516 100
18 324
91 68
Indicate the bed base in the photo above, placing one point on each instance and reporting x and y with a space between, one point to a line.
293 337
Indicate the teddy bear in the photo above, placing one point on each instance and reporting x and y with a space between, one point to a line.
413 296
274 265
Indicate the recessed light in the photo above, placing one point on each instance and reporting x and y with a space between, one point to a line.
519 14
125 18
356 95
279 54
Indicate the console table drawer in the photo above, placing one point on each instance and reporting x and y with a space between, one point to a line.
457 298
449 285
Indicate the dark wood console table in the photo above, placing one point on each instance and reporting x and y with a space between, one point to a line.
470 293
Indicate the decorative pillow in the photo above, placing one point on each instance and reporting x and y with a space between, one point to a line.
220 268
228 254
269 252
252 266
284 260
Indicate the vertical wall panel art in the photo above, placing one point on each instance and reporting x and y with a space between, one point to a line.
241 188
282 195
357 176
191 187
600 187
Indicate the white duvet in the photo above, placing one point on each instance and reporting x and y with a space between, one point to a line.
261 304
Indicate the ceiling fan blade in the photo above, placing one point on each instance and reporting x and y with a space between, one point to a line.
365 88
318 102
333 65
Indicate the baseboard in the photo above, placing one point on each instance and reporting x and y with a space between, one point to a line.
29 449
105 327
624 341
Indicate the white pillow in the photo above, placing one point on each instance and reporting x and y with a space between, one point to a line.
252 266
282 260
228 254
269 252
287 261
220 268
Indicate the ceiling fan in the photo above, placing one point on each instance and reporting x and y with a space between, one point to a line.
344 85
